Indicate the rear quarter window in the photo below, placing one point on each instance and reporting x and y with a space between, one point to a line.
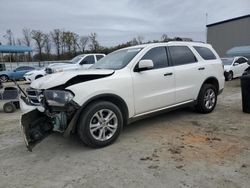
205 53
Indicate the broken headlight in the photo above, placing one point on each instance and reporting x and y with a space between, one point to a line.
58 97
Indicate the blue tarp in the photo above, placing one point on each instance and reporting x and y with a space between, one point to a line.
14 49
239 51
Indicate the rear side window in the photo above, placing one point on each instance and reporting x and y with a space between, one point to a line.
181 55
205 53
159 57
98 57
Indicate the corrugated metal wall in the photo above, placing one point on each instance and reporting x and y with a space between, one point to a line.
229 34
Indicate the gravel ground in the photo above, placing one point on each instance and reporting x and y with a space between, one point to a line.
177 149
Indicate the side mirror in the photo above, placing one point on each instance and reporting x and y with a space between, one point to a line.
235 64
14 70
143 65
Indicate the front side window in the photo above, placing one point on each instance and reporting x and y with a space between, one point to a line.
205 53
181 55
88 60
117 60
159 57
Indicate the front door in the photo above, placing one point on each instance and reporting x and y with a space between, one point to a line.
155 88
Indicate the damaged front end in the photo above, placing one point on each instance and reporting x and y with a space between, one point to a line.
47 111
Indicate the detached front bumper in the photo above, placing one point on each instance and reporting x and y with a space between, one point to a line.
38 122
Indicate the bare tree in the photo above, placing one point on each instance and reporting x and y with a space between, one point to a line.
67 40
9 37
19 41
75 41
38 37
83 43
47 44
134 42
140 39
164 38
94 44
56 38
27 39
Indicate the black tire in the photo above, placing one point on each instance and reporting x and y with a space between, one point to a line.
4 78
38 76
83 127
9 107
202 106
229 76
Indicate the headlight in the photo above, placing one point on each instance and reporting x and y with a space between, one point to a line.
58 97
58 70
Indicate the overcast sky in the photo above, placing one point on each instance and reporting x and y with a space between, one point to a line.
117 21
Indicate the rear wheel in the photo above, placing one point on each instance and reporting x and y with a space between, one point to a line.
9 107
100 124
4 78
207 99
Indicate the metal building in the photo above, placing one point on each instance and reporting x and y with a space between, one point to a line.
227 34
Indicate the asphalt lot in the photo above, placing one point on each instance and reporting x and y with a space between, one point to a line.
177 149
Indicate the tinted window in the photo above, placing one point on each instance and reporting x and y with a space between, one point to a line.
158 55
88 60
241 60
98 57
205 53
21 68
181 55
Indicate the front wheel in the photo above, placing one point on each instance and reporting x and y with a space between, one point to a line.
100 124
207 99
4 78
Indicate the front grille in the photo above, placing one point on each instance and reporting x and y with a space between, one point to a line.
33 95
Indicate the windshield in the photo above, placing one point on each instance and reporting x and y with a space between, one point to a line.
227 61
116 60
76 59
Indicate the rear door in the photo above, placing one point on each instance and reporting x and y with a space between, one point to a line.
189 73
155 88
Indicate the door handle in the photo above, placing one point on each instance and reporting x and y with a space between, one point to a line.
168 74
201 68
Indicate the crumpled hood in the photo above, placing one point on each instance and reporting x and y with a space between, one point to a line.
227 67
60 78
35 71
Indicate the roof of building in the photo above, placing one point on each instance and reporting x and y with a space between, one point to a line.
14 49
230 20
239 51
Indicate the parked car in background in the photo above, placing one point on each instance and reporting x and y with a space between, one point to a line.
16 74
234 66
35 74
125 85
83 61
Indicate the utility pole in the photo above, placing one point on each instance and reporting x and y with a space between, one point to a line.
206 26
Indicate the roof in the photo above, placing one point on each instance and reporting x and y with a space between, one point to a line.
170 43
239 51
14 49
230 20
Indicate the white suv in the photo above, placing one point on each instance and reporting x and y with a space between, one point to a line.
83 61
124 86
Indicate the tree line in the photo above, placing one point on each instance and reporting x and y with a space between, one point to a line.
60 44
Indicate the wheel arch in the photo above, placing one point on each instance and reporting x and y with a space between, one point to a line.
115 99
212 80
